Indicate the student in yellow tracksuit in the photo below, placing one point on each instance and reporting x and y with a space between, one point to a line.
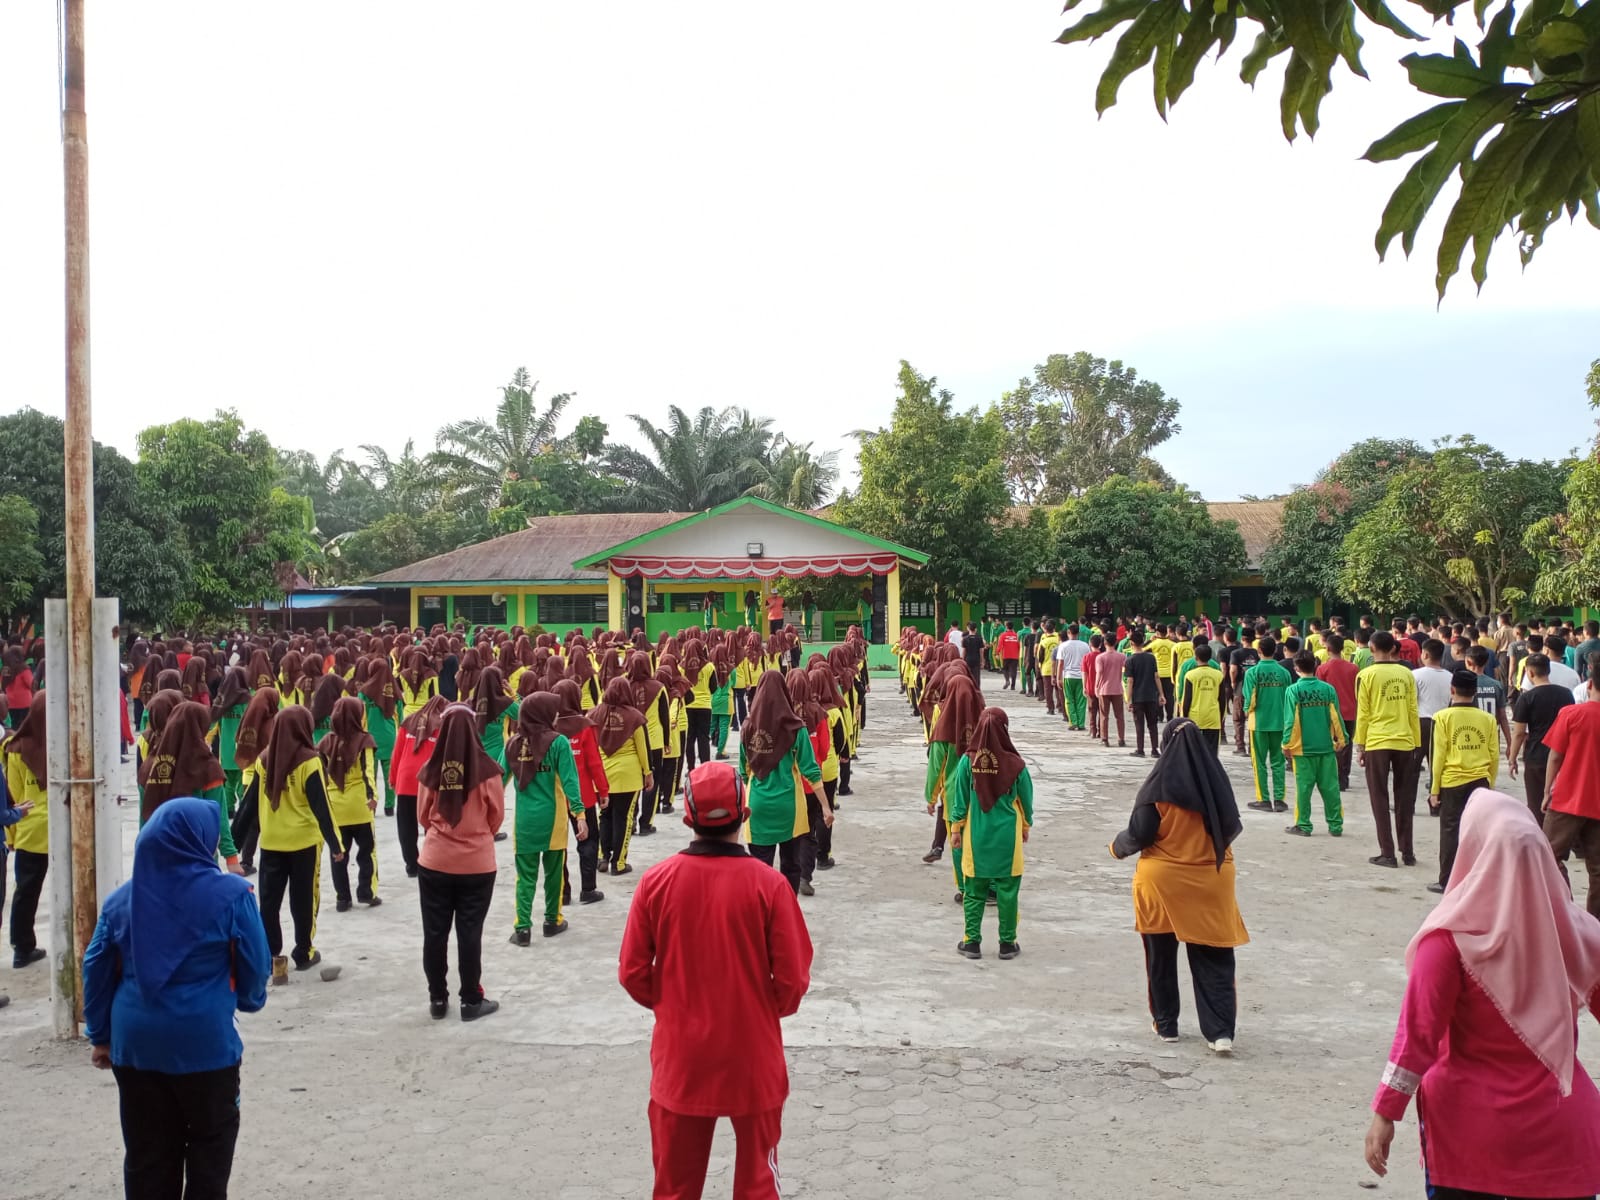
349 759
672 750
1387 735
1466 757
619 729
26 776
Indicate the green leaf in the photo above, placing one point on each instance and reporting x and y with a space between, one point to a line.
1379 12
1297 81
1267 47
1443 75
1560 39
1135 47
1110 14
1498 45
1587 114
1410 202
1350 43
1227 27
1302 25
1487 192
1199 35
1166 43
1413 134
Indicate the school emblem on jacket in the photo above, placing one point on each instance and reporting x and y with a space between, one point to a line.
761 742
452 775
984 762
161 769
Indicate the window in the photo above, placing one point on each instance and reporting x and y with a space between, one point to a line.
480 610
916 608
685 602
574 610
1008 608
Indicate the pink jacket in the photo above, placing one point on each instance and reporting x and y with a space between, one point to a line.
468 847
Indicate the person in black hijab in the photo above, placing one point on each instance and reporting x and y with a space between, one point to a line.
1184 820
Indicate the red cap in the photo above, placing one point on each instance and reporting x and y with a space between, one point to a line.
713 798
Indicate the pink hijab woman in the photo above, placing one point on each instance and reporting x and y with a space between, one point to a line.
1499 974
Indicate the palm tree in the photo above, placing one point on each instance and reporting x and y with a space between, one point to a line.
791 474
694 463
477 457
409 484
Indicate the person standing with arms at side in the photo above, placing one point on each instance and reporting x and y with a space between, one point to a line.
1109 669
1433 696
1314 740
1536 710
1491 697
177 951
777 762
1244 657
1266 713
27 773
1198 694
461 803
1049 679
350 770
549 796
625 758
1069 678
1572 788
1010 655
412 748
1466 754
991 812
717 949
1144 694
377 694
1340 673
1388 732
972 646
576 726
1030 657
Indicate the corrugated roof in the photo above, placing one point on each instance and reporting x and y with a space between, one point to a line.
545 550
1259 522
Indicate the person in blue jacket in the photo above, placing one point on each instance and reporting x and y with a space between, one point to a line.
178 950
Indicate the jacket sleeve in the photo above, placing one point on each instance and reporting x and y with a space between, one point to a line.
102 971
958 795
595 763
641 748
252 961
1432 989
1024 793
788 949
247 815
806 760
317 798
567 770
636 965
402 742
495 797
1144 826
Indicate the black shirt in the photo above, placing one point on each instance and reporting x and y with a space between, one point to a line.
1141 669
1244 658
972 651
1537 708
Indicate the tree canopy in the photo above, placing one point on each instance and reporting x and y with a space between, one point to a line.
1567 544
1530 86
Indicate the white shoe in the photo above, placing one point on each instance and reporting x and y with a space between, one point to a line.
1221 1046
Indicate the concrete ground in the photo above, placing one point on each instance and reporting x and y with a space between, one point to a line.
913 1070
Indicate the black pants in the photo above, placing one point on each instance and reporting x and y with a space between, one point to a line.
699 738
246 831
647 810
940 829
818 843
1402 766
1215 999
1008 670
738 708
1424 752
361 838
1146 713
299 873
789 858
30 870
588 852
616 827
1533 788
1168 699
666 784
1452 804
405 828
461 900
178 1132
1346 754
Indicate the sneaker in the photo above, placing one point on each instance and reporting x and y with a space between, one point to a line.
388 811
522 937
969 950
1136 754
280 970
345 904
372 901
1335 833
438 1009
1165 1037
247 869
312 960
933 856
1296 831
27 958
1010 949
1223 1046
1278 806
1383 860
825 863
844 791
1436 888
721 757
1260 806
806 889
645 831
558 926
1409 860
501 836
592 896
483 1008
616 870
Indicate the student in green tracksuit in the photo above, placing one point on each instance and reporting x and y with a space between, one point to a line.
776 760
1314 738
957 717
721 700
494 708
545 777
382 722
991 810
233 697
1262 694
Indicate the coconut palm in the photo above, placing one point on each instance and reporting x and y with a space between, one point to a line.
791 474
409 484
477 457
694 463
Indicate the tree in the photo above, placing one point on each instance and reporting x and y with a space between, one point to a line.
1449 532
218 478
21 564
694 463
408 484
792 475
934 480
140 554
1141 546
1079 421
477 457
399 539
1567 544
1305 559
1543 123
343 496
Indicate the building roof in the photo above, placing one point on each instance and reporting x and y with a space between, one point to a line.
1259 522
542 553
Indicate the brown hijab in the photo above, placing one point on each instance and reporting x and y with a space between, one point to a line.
194 678
423 724
802 697
379 686
255 727
615 717
995 761
646 687
769 731
181 763
28 742
958 712
458 764
342 746
573 720
536 733
468 673
291 746
233 694
490 700
329 691
158 710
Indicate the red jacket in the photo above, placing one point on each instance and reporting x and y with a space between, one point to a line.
717 949
405 764
1341 676
592 781
1010 646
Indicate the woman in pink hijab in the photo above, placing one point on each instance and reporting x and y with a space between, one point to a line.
1498 975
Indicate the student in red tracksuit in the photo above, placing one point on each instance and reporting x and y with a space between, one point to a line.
413 745
716 947
576 726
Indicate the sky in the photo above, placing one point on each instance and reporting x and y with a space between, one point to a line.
352 221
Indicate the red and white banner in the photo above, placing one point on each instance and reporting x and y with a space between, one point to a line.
819 566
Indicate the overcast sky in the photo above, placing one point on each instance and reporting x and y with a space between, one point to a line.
353 220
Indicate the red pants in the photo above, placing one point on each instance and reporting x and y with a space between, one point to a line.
681 1149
